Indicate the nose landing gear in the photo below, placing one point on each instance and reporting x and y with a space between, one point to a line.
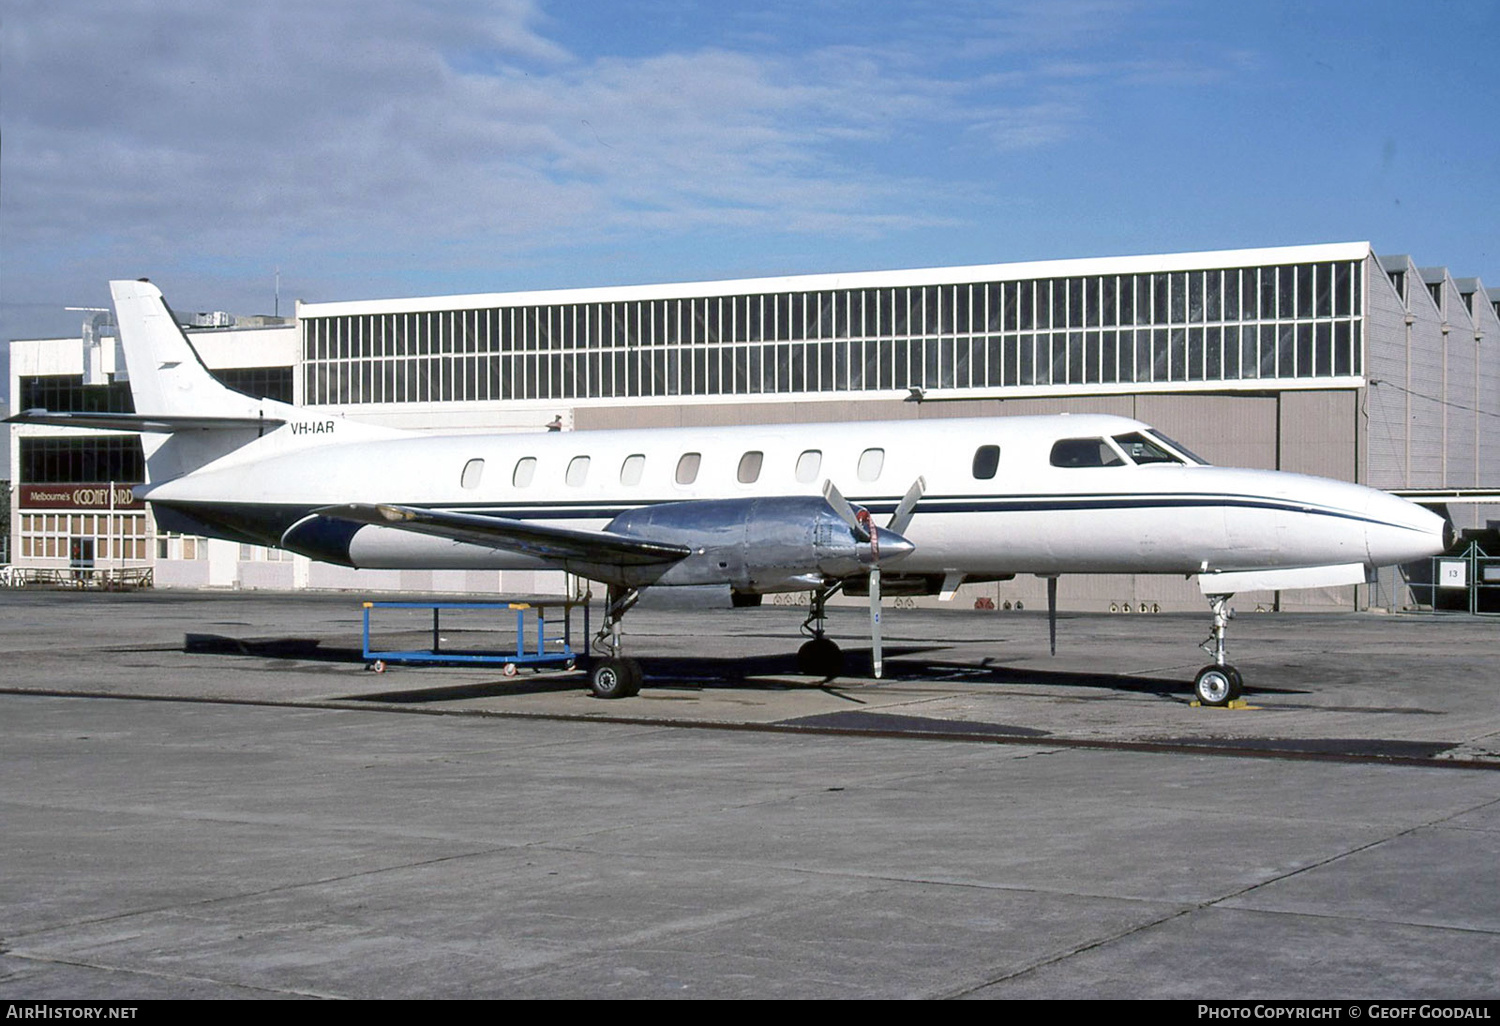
1219 683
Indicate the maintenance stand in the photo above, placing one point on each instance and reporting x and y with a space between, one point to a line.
560 652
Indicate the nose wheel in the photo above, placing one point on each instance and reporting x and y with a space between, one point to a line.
1218 685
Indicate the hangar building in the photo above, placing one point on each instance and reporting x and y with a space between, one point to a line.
1322 359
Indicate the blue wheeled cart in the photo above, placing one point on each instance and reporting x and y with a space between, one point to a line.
541 651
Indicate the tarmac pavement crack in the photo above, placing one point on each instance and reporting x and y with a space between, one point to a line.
1200 906
183 908
38 959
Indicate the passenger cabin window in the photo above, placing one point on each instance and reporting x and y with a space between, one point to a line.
808 465
1143 450
473 471
986 461
631 470
578 471
871 462
749 471
687 467
525 471
1085 452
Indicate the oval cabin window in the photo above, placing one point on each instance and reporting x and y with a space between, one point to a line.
473 471
631 470
687 467
808 465
749 471
578 471
524 472
871 462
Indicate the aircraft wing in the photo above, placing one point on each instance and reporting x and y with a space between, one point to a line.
163 425
563 544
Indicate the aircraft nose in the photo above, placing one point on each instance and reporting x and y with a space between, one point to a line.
1398 531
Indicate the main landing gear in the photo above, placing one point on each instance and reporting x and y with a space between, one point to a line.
1219 683
820 656
615 676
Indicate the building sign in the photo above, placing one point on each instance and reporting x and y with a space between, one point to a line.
77 496
1453 573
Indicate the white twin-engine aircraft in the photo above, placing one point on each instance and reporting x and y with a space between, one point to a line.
932 503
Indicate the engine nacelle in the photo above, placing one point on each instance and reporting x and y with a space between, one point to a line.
792 543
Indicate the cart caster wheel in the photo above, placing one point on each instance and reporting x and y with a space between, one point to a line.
378 666
508 670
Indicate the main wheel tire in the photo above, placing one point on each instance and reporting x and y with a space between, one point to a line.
820 657
1217 685
615 678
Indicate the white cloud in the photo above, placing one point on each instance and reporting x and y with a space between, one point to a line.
182 134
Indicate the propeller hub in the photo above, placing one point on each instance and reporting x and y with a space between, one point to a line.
885 545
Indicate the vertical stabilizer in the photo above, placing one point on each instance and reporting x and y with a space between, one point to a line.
167 378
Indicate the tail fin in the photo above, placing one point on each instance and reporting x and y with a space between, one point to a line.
169 381
167 377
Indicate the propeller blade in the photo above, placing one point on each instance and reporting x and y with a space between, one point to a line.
845 511
875 617
1052 612
902 517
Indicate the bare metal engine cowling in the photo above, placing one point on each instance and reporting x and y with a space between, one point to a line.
792 543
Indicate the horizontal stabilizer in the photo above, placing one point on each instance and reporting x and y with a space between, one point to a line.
153 424
1237 581
553 543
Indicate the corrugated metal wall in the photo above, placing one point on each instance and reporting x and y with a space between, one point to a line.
1461 392
1385 428
1487 417
1428 458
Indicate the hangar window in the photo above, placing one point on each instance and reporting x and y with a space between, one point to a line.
986 461
808 465
524 472
1085 452
687 467
578 471
473 471
871 462
749 471
631 470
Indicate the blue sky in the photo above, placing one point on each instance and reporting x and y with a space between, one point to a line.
377 149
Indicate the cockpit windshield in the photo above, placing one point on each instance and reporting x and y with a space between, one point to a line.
1145 449
1181 449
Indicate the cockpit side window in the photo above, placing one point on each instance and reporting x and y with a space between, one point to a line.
1143 450
1085 452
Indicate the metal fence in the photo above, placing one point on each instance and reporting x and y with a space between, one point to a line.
1468 582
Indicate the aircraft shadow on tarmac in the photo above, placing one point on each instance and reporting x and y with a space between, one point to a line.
299 649
904 664
907 665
